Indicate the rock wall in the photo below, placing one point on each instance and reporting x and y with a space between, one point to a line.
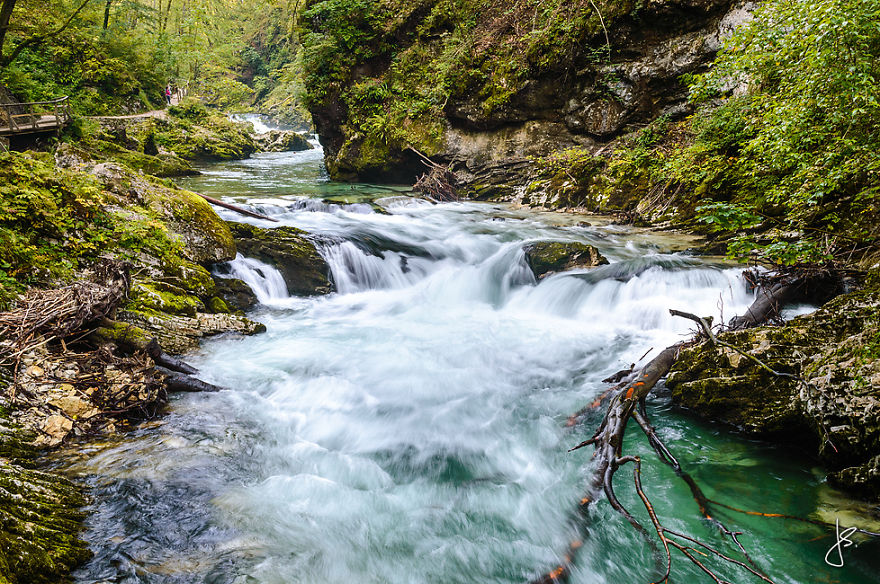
493 121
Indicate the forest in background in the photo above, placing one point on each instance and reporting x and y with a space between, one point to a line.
117 56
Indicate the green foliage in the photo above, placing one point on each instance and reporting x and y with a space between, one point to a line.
804 135
54 221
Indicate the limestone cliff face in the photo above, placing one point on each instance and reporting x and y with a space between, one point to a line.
515 86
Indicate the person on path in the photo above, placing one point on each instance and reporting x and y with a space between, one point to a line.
168 94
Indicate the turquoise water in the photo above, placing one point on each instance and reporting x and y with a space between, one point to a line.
411 427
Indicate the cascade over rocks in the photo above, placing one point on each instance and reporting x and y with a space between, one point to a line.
290 251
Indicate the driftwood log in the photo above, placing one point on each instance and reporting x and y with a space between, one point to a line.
236 208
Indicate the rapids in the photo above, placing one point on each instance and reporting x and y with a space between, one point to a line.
410 426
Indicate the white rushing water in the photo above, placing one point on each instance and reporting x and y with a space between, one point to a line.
410 426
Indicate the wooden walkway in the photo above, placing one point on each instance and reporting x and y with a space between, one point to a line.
34 117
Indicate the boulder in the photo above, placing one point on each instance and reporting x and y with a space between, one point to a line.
283 141
547 257
236 294
290 251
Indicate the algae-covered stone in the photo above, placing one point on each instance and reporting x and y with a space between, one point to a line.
284 141
39 522
290 251
179 334
545 257
40 515
163 297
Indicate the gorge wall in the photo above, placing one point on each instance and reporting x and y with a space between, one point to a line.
489 87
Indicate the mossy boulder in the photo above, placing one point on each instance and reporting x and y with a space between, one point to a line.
211 137
236 294
546 257
835 350
40 515
39 523
181 214
178 334
288 249
283 141
163 297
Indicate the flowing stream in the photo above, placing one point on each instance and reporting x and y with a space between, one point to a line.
410 427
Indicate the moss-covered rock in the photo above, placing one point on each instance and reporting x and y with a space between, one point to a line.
477 82
283 141
183 215
836 350
210 137
39 525
236 294
290 251
40 516
178 334
546 257
163 297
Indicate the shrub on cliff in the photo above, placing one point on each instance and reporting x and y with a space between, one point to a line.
799 150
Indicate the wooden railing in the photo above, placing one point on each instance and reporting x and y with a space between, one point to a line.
37 116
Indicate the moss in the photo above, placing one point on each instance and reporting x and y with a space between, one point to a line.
217 305
39 514
39 520
209 138
163 297
122 333
206 235
554 256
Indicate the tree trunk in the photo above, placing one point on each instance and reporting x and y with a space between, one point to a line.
107 14
5 14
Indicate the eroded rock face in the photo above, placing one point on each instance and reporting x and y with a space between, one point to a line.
836 350
547 257
288 249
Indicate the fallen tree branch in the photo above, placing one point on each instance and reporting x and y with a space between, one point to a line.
236 208
175 381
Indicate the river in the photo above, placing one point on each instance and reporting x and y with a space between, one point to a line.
410 427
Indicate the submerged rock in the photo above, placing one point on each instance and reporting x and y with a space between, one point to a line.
290 251
547 257
836 350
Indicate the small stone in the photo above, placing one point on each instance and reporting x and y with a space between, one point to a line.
75 407
35 371
56 428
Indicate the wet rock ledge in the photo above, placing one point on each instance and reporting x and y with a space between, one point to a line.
835 350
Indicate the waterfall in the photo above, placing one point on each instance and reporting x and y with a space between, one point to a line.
266 281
